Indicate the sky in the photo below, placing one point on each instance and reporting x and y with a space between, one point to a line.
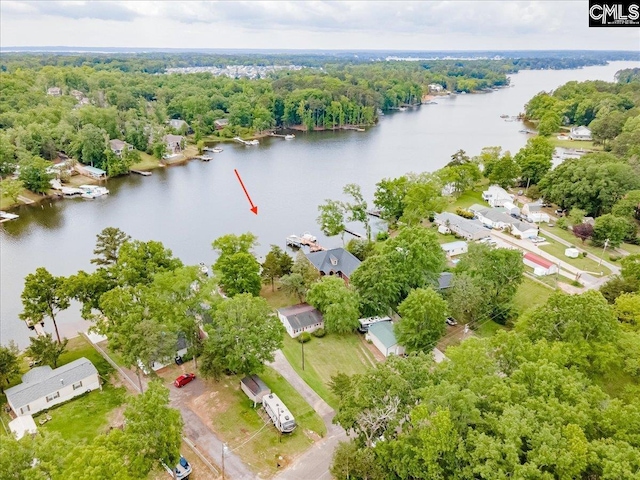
318 25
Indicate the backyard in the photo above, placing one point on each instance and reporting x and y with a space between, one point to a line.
531 294
325 357
586 264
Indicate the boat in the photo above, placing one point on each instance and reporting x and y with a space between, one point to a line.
204 269
307 238
92 191
71 192
213 149
504 115
289 136
294 241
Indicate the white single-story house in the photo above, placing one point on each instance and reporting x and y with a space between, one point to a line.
452 249
23 425
541 266
524 229
539 217
580 133
531 207
493 217
119 146
181 350
255 388
300 318
462 227
44 387
496 196
382 336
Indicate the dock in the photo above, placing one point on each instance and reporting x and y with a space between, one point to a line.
293 241
355 234
6 216
144 173
212 149
353 127
246 142
374 213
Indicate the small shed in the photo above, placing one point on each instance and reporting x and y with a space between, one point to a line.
382 336
22 426
541 266
572 252
255 388
452 249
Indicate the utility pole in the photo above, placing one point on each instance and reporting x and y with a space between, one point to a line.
606 244
302 345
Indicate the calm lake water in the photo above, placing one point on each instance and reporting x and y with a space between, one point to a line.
187 207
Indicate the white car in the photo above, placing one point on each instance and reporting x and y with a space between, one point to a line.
183 469
538 239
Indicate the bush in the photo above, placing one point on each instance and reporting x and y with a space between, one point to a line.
382 236
614 258
464 213
319 333
304 337
563 223
584 254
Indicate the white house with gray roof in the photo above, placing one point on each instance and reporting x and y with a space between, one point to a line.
44 387
300 318
462 227
496 196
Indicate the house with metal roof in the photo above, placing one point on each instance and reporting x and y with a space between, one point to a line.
496 196
382 336
44 387
459 226
255 388
336 261
451 249
444 280
300 318
580 133
541 266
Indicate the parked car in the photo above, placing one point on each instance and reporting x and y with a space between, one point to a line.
451 321
183 469
538 239
182 380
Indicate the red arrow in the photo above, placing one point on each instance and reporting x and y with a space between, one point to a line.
254 208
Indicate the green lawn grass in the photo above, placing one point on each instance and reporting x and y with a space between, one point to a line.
246 432
574 144
325 357
557 250
147 162
632 249
488 328
79 347
278 298
573 240
82 419
468 198
531 294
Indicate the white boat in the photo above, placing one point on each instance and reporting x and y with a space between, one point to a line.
93 191
6 216
70 191
204 269
290 136
307 237
253 142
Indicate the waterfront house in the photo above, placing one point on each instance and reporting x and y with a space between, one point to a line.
44 387
496 196
336 261
435 87
255 388
462 227
452 249
90 171
54 91
300 318
580 133
179 125
174 143
220 123
541 266
118 146
382 336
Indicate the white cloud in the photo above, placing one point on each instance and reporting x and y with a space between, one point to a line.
451 25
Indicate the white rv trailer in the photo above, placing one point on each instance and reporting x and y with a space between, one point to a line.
279 413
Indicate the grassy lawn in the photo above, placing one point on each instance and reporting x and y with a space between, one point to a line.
488 328
632 249
571 238
468 198
79 347
327 356
557 250
575 144
80 420
279 298
442 238
147 162
248 432
531 294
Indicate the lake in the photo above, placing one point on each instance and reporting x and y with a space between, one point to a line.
187 207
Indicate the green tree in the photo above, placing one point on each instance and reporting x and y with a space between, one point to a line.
45 350
91 146
153 429
498 272
159 148
423 199
357 208
43 296
239 273
631 267
331 219
34 174
139 261
108 243
337 303
549 124
466 299
11 189
504 171
9 364
376 283
611 228
627 307
8 162
277 263
628 206
243 335
423 315
576 215
294 284
389 198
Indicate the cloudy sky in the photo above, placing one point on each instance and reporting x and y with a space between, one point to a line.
351 25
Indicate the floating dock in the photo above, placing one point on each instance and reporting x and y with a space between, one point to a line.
212 149
374 213
144 173
246 142
6 216
355 234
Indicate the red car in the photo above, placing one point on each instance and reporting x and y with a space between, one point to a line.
182 380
